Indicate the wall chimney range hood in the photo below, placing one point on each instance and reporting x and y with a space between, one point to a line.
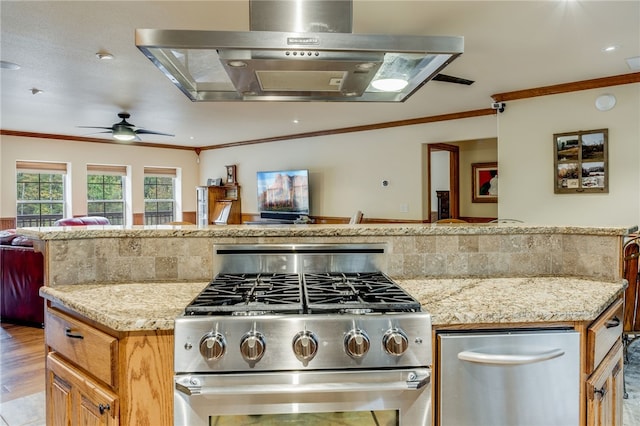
300 50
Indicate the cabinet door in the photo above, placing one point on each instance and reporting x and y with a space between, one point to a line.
76 399
59 400
605 389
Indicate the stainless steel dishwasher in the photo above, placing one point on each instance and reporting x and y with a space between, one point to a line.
509 377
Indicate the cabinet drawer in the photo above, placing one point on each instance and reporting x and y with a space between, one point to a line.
86 346
603 334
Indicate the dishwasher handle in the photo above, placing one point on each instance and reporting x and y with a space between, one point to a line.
504 359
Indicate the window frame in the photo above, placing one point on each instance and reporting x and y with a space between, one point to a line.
160 172
104 171
40 169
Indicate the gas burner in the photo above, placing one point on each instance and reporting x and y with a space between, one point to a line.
238 294
356 292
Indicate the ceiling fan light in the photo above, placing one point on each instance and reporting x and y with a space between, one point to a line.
124 137
123 132
389 84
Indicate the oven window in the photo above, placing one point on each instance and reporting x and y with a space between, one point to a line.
350 418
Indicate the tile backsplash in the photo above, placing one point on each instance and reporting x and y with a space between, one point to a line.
190 258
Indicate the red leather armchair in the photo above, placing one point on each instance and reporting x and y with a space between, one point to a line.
22 274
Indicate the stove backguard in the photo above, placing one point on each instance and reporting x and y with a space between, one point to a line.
299 258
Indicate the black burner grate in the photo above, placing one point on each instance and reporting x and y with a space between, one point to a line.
259 293
255 294
346 292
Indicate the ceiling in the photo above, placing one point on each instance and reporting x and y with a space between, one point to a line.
509 45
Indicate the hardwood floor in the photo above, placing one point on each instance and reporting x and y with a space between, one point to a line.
22 355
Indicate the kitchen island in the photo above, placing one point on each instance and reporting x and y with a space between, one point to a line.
124 287
138 319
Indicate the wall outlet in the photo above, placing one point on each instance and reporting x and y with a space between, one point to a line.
404 208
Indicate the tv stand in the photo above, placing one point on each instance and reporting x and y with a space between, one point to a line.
272 222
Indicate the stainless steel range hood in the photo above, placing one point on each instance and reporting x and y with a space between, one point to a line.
301 53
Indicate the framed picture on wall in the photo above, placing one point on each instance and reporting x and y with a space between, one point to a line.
580 162
484 182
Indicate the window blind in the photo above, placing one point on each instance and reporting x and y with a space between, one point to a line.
41 167
160 171
106 169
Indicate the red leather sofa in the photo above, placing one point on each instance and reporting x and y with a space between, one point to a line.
82 221
22 274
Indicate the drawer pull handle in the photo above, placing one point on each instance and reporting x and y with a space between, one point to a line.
68 333
613 322
602 392
103 408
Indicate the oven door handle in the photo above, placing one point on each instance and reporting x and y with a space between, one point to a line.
192 386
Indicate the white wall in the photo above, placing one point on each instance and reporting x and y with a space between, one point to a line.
347 170
79 154
525 158
439 175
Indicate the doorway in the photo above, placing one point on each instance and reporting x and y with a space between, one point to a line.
453 153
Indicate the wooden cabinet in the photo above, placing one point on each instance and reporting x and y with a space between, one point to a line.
604 387
75 399
605 390
224 205
103 377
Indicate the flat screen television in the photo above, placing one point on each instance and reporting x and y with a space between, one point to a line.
283 194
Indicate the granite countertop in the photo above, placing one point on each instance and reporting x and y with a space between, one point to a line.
153 306
323 230
127 307
513 300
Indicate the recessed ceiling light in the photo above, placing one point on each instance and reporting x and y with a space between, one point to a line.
9 65
611 48
104 55
296 121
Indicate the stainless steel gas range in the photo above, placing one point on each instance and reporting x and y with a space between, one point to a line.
298 334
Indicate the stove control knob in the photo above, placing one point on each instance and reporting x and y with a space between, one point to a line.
395 342
356 343
212 346
305 345
252 346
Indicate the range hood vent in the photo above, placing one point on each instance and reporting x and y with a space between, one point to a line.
297 51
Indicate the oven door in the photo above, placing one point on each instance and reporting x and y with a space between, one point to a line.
369 397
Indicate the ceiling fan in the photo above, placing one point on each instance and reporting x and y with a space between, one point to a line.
452 79
125 131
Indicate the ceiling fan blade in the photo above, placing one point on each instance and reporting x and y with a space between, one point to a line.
96 133
451 79
151 132
95 127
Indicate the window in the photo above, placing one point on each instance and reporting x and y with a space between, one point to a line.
40 193
159 195
106 192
